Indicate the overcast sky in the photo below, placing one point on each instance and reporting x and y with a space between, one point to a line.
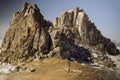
104 13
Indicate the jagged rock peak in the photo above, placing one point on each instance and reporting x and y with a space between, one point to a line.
87 32
77 36
73 36
27 36
30 9
27 10
71 17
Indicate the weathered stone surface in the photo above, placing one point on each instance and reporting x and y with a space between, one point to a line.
87 31
78 38
73 37
26 35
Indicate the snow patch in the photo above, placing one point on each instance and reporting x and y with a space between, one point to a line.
94 65
95 55
6 68
116 60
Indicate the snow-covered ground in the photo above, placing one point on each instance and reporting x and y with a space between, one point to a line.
6 68
116 60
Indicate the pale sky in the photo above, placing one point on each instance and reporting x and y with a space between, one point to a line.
104 13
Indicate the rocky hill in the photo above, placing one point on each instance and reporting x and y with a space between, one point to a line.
80 38
84 31
72 36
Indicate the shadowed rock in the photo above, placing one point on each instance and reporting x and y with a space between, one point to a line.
73 30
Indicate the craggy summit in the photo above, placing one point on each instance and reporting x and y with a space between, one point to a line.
73 36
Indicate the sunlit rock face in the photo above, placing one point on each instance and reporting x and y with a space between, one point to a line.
73 36
27 35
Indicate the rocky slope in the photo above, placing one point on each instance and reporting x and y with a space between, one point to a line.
73 36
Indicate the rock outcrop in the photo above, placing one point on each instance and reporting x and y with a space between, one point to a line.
73 36
26 36
84 31
79 37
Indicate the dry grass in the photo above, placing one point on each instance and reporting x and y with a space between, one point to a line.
57 69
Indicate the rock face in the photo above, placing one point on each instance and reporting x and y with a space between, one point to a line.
73 37
79 37
85 31
26 36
